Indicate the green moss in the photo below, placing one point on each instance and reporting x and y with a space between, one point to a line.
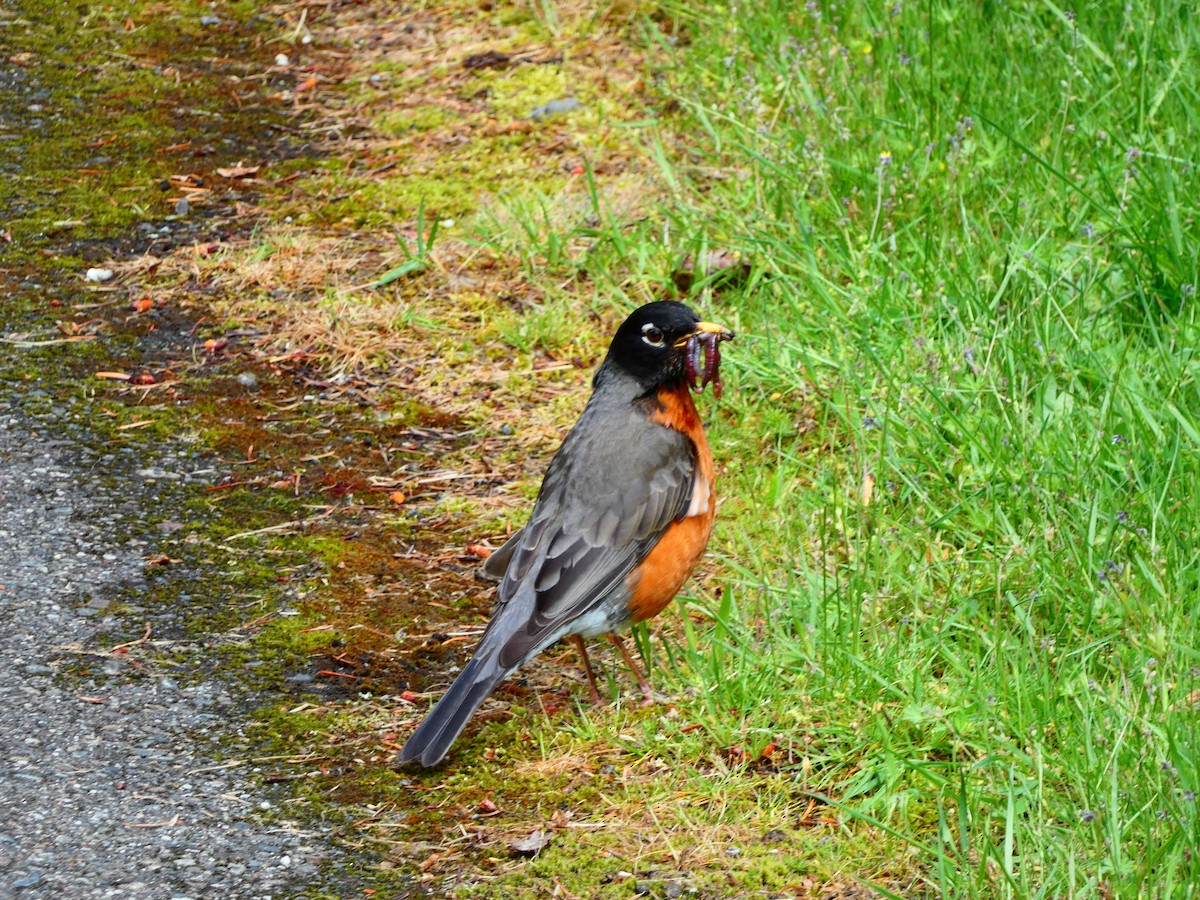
398 122
110 104
515 93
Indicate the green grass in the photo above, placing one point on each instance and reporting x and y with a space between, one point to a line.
961 440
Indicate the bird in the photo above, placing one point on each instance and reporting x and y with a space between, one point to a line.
624 514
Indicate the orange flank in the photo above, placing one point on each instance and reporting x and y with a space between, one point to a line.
665 569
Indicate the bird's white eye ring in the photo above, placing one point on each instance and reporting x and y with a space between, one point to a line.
652 335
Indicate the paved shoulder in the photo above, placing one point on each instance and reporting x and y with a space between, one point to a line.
108 790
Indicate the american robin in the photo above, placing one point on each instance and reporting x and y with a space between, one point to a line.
623 516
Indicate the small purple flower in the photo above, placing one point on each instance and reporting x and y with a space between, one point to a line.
1131 154
1189 796
1162 815
870 423
1188 290
1088 229
1087 815
1122 516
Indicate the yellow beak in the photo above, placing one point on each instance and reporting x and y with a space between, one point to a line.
706 328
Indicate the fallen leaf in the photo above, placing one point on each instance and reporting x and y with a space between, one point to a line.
397 497
488 807
723 268
143 378
21 59
489 59
307 84
238 171
116 376
868 488
478 550
532 845
142 304
215 345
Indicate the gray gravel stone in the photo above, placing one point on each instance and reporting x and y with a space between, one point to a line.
105 788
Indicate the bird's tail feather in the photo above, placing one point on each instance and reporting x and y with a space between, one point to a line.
446 720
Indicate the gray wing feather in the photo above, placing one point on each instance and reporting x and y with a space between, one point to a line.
496 565
608 495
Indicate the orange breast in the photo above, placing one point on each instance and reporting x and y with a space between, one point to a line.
660 576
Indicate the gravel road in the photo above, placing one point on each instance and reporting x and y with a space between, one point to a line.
105 786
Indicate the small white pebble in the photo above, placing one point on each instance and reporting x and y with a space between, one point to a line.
282 60
98 274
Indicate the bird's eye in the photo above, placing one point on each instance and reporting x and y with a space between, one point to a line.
652 335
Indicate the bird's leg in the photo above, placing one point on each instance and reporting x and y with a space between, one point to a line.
587 667
647 691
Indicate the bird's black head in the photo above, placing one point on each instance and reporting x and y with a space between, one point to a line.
651 344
